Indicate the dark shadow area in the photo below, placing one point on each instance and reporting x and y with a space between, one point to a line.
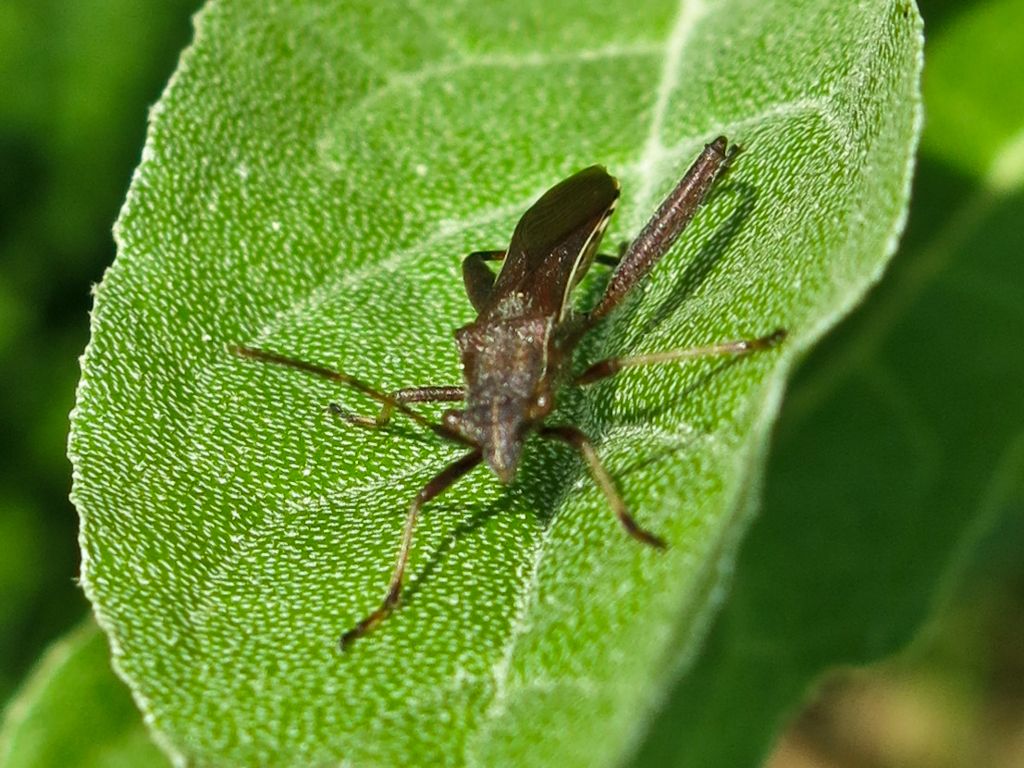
23 168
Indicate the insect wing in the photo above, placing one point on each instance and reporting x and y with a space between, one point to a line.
553 245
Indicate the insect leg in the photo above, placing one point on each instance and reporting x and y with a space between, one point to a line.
613 261
386 400
478 277
666 225
579 441
440 482
405 395
605 368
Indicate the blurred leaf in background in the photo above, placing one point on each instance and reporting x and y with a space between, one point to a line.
75 82
73 712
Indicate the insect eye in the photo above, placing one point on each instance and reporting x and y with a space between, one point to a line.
452 419
541 405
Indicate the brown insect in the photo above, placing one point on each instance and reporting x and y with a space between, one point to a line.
519 349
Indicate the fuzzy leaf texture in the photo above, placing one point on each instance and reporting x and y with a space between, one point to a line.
313 176
898 462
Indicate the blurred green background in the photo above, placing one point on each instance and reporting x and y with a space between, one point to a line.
76 79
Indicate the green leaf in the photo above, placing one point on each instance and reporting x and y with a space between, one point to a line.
974 119
312 179
901 446
23 538
72 712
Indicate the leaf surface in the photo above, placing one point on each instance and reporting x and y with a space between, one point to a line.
313 176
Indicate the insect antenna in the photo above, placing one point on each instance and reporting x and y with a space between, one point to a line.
390 402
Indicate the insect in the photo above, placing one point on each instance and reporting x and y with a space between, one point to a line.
519 349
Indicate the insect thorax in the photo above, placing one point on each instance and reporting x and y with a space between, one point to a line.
506 364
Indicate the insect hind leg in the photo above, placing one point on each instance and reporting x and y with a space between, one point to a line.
672 217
